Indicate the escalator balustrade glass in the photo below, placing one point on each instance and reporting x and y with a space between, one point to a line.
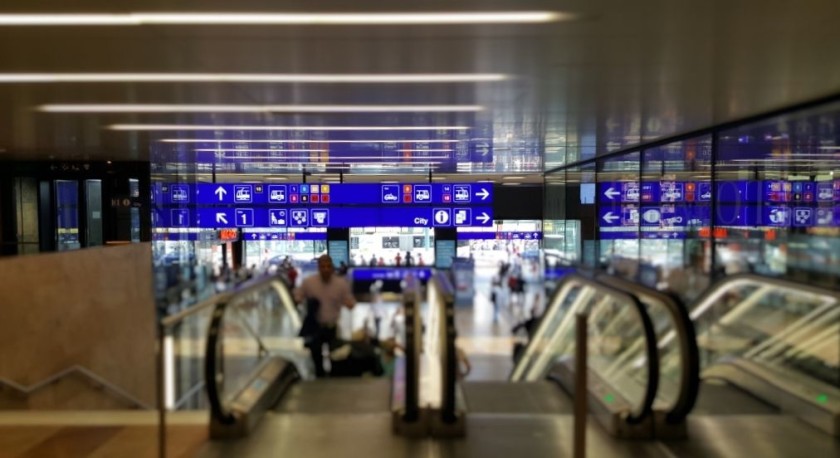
258 323
779 324
679 370
621 343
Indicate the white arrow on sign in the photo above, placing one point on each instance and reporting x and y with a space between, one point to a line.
253 236
221 218
484 194
484 218
610 218
611 193
220 191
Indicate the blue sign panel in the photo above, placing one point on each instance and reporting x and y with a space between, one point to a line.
827 216
278 217
423 194
277 194
324 217
671 191
624 215
180 193
536 235
704 192
825 191
373 274
737 191
330 194
260 236
619 192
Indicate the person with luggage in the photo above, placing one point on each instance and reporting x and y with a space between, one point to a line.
325 294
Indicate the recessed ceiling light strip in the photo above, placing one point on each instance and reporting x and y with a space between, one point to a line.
337 78
176 108
344 159
415 140
195 127
268 18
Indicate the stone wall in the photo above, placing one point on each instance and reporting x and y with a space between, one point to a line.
92 308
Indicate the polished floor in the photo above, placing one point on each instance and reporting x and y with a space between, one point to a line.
506 420
99 434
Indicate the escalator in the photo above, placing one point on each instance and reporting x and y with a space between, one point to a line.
769 346
622 353
258 370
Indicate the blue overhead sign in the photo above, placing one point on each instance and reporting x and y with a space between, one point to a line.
320 194
278 235
323 217
535 235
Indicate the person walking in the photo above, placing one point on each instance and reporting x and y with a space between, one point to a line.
325 294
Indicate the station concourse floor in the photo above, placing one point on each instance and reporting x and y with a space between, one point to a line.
351 418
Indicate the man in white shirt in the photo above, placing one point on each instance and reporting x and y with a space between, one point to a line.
331 293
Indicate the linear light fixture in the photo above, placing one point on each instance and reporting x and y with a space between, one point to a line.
233 150
268 18
263 150
326 78
177 108
194 127
344 159
196 140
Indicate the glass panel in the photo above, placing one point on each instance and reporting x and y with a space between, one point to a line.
93 194
67 215
619 216
617 343
268 250
676 195
184 350
256 326
134 193
779 197
779 324
581 204
26 215
389 246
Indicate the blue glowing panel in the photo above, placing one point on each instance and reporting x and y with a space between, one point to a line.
623 192
536 235
323 217
323 194
373 273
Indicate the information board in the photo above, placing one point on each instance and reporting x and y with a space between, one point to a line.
323 217
412 194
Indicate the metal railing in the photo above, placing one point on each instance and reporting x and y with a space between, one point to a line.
73 370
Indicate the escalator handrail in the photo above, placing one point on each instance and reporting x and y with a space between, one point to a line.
645 408
450 356
689 351
445 285
211 353
714 289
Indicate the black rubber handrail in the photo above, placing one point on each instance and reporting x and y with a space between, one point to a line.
686 337
450 356
212 369
412 352
652 360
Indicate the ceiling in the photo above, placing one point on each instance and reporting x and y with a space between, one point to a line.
619 73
